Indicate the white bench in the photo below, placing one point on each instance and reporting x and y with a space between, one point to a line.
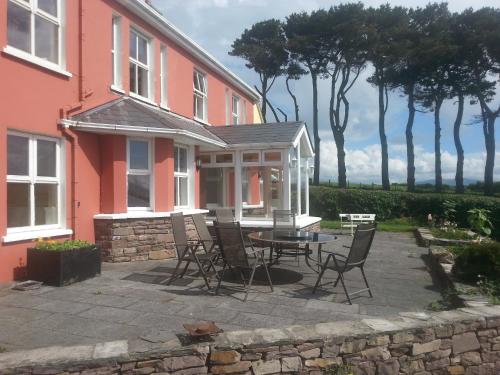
352 220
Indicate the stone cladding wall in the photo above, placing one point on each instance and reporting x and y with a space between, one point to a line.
128 240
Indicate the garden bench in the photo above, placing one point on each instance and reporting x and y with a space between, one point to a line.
352 220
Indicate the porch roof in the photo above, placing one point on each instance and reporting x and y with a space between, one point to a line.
129 116
126 115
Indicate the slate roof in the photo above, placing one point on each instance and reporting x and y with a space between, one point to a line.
279 132
129 112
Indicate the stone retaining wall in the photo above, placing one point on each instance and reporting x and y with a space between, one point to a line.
464 341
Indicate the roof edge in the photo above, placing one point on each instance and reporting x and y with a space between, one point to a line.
156 19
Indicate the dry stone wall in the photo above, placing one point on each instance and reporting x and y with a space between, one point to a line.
459 342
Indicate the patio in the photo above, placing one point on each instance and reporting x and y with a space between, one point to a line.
130 300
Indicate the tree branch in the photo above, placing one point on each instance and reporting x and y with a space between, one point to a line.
283 113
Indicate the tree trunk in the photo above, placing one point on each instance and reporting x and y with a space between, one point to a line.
264 98
386 185
437 146
317 140
410 149
294 98
459 176
339 142
489 140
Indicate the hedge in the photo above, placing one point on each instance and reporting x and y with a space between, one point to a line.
328 202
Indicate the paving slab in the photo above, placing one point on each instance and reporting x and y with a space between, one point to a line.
130 301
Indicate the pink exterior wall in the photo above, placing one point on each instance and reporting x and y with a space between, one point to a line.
32 99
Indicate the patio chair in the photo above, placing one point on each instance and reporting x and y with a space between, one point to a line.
207 241
359 249
187 252
237 256
285 221
224 215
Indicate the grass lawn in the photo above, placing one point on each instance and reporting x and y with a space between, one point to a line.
391 225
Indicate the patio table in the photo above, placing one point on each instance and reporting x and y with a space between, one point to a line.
302 239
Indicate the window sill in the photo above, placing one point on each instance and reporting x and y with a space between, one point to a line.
165 107
36 61
31 235
142 99
117 89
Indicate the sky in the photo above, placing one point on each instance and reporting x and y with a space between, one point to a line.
215 24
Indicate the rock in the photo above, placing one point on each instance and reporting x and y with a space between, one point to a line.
426 347
160 254
251 356
465 342
435 365
225 357
456 370
388 368
402 337
266 367
486 369
376 354
378 340
470 359
179 363
291 364
190 371
312 353
323 362
231 369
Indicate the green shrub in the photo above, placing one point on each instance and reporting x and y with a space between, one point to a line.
476 261
61 246
328 202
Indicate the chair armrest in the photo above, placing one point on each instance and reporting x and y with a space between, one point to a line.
255 251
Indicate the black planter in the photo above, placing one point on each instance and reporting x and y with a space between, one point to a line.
59 268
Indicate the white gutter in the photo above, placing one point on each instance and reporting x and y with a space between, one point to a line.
157 20
89 126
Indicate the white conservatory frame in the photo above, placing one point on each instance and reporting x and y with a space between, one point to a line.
304 148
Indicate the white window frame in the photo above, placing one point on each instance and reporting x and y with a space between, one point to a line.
116 53
148 67
142 172
32 7
235 112
33 179
199 94
186 175
164 76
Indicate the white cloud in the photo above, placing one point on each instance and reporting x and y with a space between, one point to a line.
363 165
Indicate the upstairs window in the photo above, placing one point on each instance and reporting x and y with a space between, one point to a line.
139 174
116 41
34 27
33 182
139 64
163 77
181 176
200 95
236 110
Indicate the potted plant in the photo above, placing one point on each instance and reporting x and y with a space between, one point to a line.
63 263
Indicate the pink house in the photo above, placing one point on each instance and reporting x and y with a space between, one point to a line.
111 118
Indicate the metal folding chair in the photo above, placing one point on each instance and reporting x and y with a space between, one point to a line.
187 252
359 249
237 256
285 221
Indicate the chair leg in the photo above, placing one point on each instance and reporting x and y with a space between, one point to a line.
267 271
188 262
220 278
336 281
250 280
366 282
319 279
175 272
200 267
345 289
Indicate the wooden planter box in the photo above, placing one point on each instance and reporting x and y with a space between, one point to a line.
59 268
